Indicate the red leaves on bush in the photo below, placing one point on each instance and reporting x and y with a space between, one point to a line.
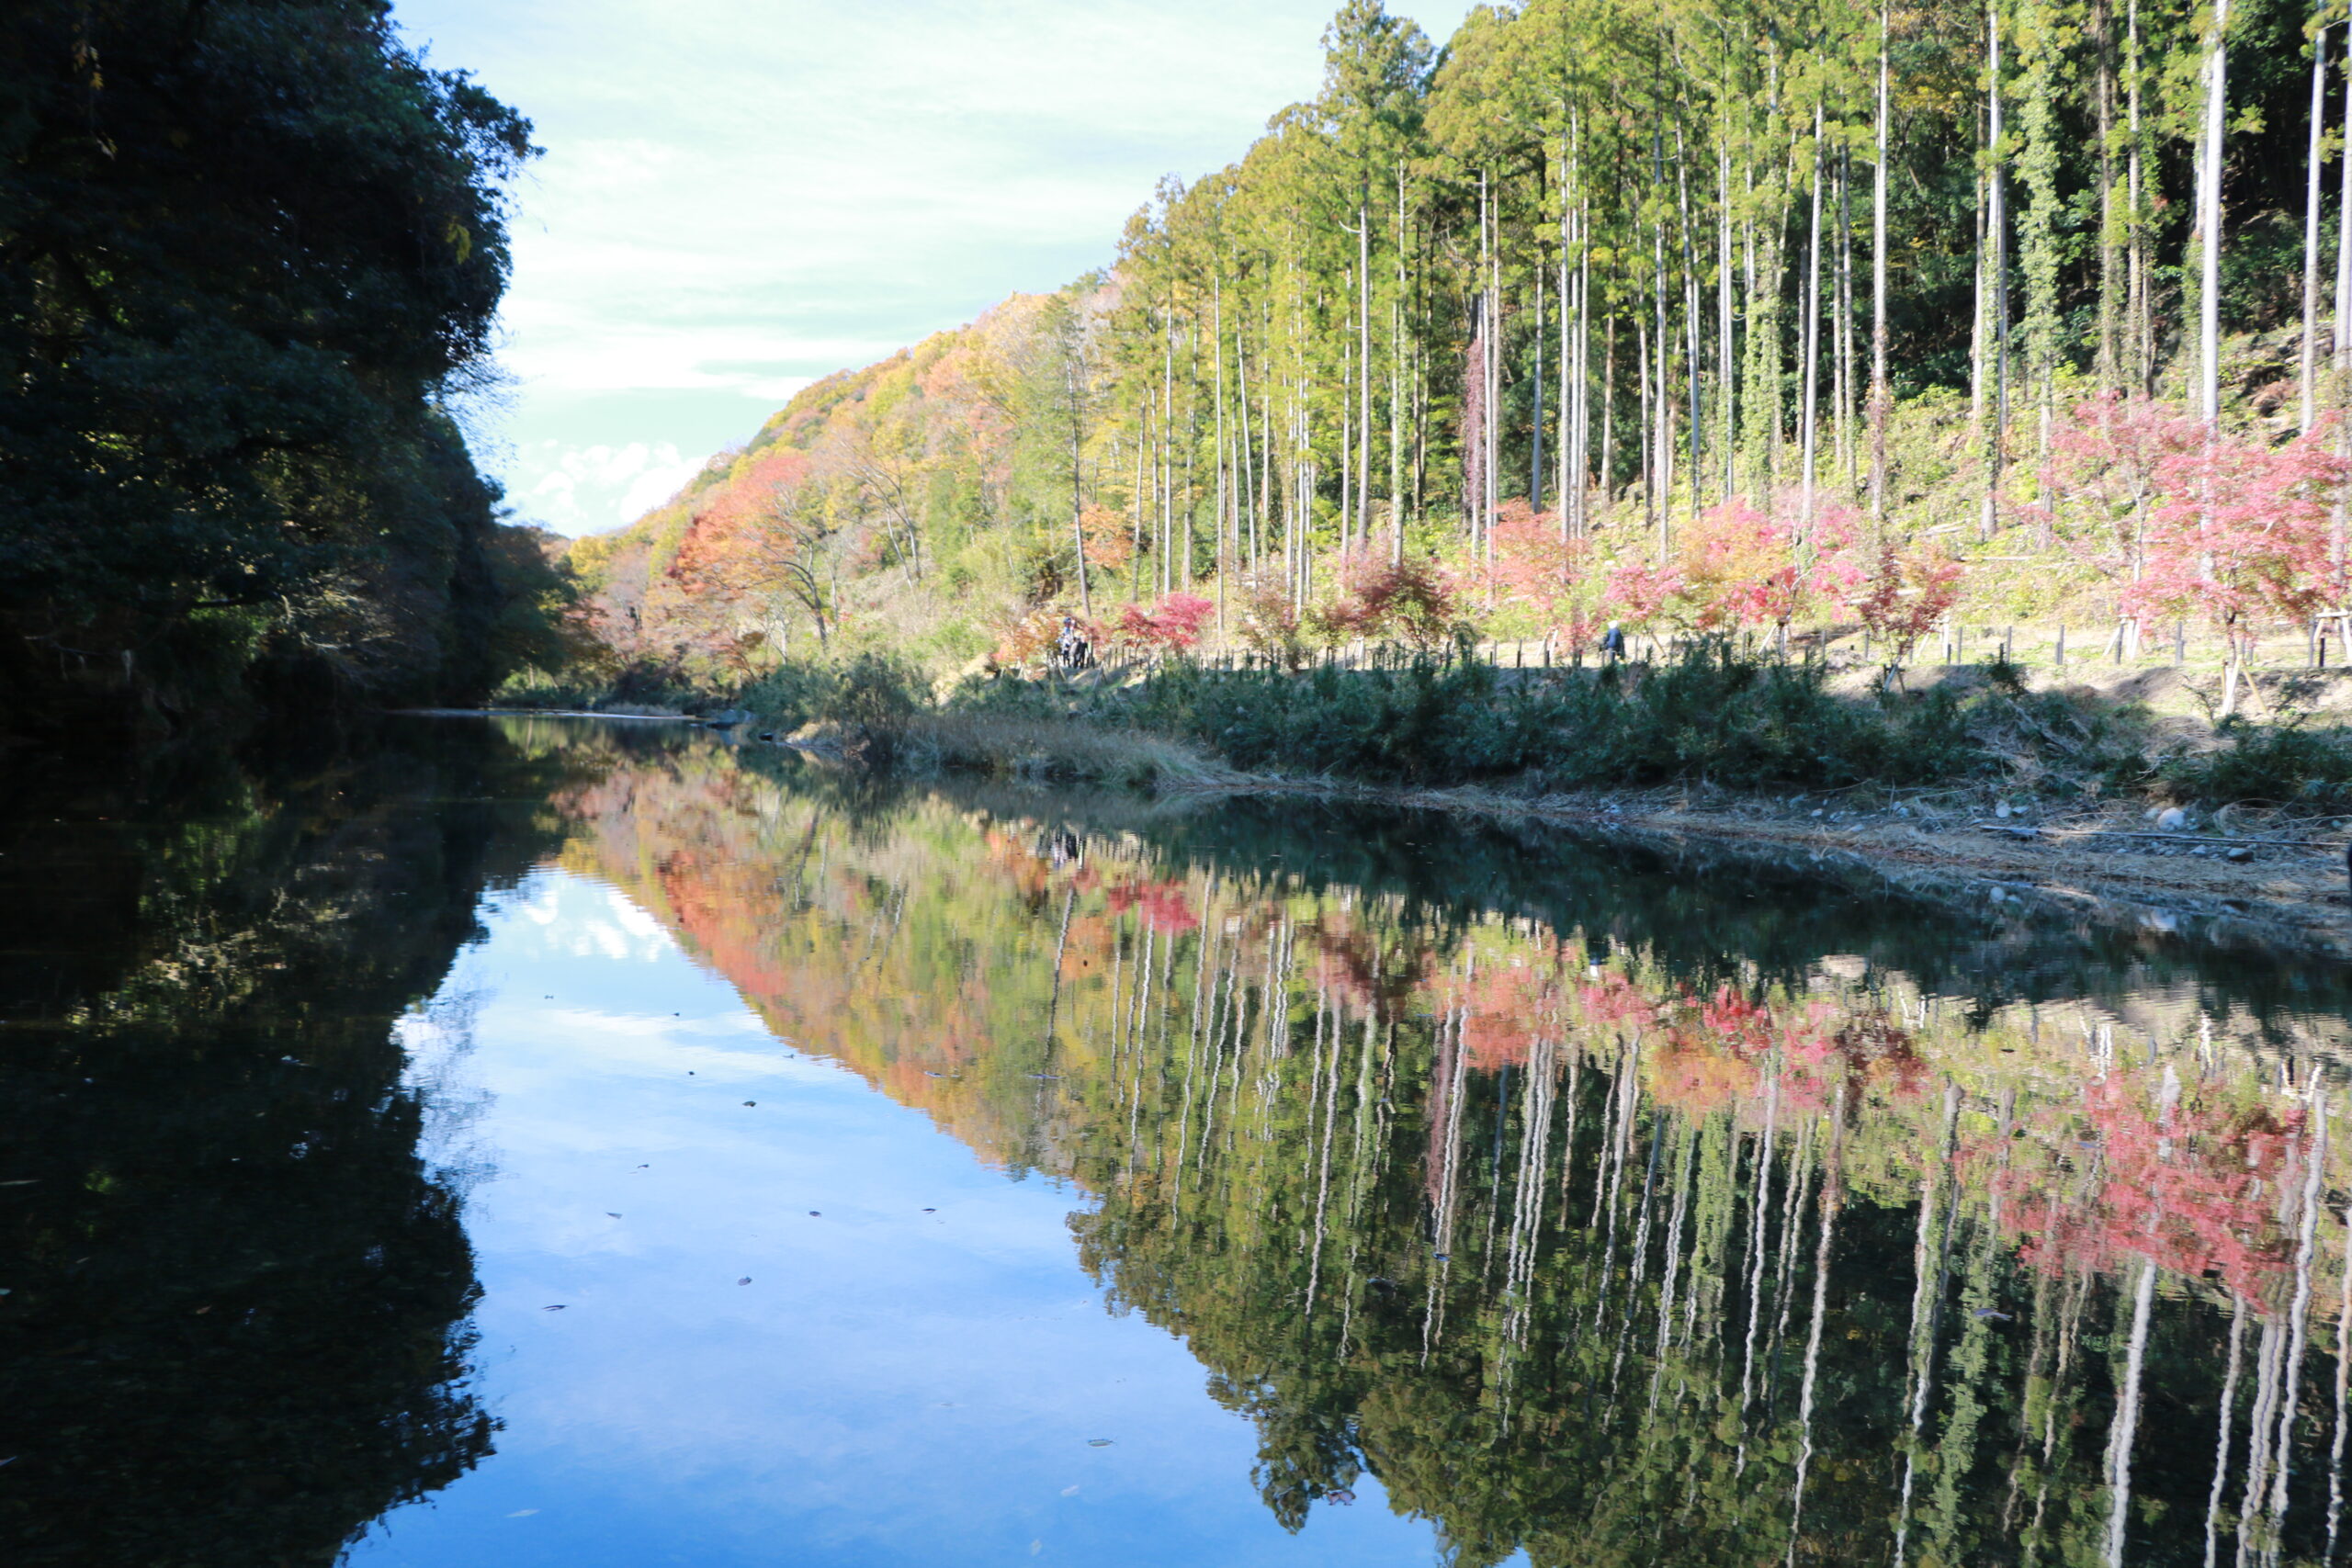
1173 623
1415 600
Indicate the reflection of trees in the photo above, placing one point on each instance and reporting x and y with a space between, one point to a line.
234 1331
1597 1218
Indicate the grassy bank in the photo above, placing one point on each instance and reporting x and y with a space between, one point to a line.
1711 718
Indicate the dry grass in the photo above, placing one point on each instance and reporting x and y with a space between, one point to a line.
1050 751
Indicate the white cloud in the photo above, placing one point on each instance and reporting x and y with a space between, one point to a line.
741 196
577 488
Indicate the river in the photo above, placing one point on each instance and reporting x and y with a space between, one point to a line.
546 1141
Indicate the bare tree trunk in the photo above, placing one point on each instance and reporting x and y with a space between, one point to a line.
1225 491
1607 413
1493 454
2209 219
1726 362
1881 396
1808 420
1364 376
1847 455
1661 440
1535 429
1347 426
2143 327
1691 390
1997 253
1564 486
2311 232
1397 391
2336 528
1078 521
2110 271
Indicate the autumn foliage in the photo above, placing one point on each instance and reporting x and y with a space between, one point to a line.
1414 600
1173 625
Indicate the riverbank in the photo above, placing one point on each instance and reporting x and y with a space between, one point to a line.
2268 876
2258 872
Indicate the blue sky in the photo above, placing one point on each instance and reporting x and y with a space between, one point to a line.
739 198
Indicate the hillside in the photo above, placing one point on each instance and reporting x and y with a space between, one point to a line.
874 502
1628 313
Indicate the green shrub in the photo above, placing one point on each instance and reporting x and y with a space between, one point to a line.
1713 716
2283 764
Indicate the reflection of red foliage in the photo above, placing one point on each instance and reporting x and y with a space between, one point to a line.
1612 998
1165 907
2193 1189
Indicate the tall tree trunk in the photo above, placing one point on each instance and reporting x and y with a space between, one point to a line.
1225 490
1078 480
1535 429
1661 436
1847 456
1396 391
1364 376
2141 308
2310 229
1347 429
1881 396
2038 237
1808 417
1727 361
1493 456
1693 393
1566 410
1607 413
2343 508
2110 268
2209 219
1996 255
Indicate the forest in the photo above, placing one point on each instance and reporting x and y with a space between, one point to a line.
1921 327
250 253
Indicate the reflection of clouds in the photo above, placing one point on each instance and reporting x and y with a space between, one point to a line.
634 920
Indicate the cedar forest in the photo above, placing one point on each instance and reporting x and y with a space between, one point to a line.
1711 319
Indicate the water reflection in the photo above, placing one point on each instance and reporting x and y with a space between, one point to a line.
234 1311
1601 1209
1578 1205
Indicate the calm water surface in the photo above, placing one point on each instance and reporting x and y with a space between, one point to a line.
530 1142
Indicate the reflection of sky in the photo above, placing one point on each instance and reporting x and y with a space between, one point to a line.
892 1385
